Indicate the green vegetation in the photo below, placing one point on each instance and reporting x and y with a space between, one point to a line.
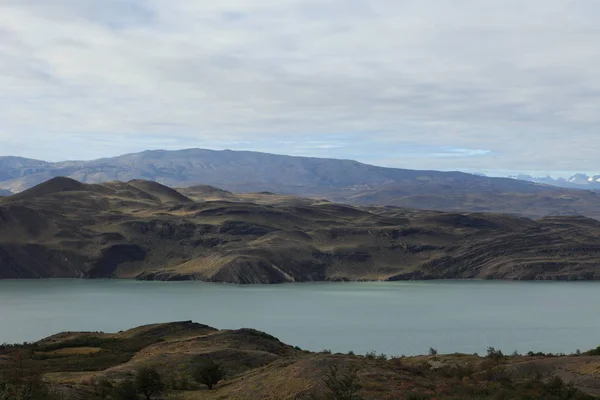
342 386
148 382
208 373
21 384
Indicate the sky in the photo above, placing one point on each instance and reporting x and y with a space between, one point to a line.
484 86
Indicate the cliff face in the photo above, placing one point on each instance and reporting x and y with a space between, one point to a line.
144 230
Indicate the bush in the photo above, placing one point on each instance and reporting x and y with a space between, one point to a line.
25 386
148 382
342 386
494 354
433 352
19 383
208 373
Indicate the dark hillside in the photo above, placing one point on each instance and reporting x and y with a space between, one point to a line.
144 230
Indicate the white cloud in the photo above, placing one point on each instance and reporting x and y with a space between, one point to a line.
513 84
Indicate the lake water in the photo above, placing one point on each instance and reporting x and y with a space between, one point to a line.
394 318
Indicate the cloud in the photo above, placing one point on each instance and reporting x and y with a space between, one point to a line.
509 85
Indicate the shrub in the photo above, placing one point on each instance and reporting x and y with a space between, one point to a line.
148 382
208 373
494 354
25 385
342 386
433 352
184 382
19 383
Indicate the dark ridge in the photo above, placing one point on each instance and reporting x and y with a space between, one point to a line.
162 192
52 186
204 190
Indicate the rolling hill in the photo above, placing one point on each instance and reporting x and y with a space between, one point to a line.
256 365
144 230
342 181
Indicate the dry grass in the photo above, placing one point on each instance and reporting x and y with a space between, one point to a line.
258 366
73 351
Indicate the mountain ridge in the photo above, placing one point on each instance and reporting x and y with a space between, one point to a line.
576 181
341 181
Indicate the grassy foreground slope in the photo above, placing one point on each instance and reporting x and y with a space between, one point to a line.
89 365
144 230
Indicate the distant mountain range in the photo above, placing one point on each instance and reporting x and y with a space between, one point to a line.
343 181
577 181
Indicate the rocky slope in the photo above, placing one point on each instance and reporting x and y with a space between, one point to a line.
342 181
144 230
86 366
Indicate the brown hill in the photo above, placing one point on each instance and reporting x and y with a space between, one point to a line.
87 365
54 185
144 230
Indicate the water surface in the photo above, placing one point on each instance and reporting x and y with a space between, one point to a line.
394 318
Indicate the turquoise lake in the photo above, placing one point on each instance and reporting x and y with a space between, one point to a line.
393 318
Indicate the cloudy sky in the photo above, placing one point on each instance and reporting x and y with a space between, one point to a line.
494 85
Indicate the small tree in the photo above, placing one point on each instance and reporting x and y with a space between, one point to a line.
342 386
208 373
148 382
494 354
433 351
